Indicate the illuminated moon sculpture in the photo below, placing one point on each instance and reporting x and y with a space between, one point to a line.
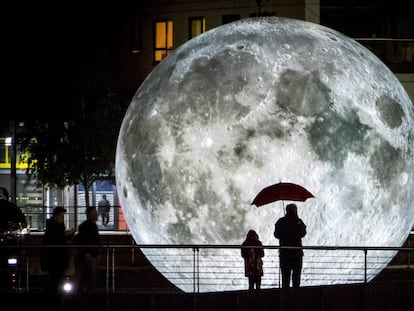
252 103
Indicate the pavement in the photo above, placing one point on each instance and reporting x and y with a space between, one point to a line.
390 296
392 289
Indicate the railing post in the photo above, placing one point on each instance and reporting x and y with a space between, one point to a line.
365 265
196 270
133 251
113 269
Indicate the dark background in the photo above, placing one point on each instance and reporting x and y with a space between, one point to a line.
52 51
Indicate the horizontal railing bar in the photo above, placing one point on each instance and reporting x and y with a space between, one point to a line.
219 246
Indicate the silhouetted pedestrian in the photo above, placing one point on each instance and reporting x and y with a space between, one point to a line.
86 260
103 209
253 263
55 256
290 230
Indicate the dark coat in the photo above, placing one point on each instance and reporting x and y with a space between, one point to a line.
290 230
88 234
104 206
56 258
253 263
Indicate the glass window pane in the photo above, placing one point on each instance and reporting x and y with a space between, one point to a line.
160 35
163 39
170 35
203 25
159 55
197 26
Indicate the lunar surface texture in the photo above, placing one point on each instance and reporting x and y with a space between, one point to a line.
252 103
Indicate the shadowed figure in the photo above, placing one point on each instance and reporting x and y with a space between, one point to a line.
253 264
86 260
55 255
290 230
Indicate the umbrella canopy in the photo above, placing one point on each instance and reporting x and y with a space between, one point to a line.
281 191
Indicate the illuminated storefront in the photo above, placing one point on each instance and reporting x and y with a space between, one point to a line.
38 201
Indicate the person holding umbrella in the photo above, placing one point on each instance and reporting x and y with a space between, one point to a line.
290 230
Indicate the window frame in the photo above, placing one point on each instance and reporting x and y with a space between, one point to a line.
165 49
201 19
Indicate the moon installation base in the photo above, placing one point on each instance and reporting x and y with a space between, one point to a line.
251 103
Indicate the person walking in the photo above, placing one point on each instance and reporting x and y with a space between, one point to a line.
103 209
290 230
253 263
86 260
55 255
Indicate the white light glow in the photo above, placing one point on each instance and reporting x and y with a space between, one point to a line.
67 286
252 103
12 261
8 141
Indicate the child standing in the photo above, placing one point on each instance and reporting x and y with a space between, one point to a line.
253 264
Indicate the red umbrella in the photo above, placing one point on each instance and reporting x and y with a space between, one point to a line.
282 191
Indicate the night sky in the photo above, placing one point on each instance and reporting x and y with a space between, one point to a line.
46 50
47 46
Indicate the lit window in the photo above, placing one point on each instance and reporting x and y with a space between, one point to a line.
163 39
197 26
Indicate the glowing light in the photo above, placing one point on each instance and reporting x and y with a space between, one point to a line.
255 102
12 261
8 141
67 286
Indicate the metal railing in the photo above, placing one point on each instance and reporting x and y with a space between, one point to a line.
207 268
36 217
